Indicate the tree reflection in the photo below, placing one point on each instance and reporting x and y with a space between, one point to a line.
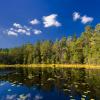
72 82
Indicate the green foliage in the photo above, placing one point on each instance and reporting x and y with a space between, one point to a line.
72 50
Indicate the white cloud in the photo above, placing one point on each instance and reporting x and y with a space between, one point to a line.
11 29
28 33
27 28
17 28
12 33
50 20
34 22
85 19
76 16
21 31
36 32
17 25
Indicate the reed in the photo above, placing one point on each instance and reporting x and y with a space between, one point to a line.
55 65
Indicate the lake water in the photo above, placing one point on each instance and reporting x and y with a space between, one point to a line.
49 84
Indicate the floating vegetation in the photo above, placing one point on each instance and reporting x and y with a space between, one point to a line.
83 99
20 83
38 97
57 76
30 76
84 83
13 84
37 84
65 90
76 86
9 90
84 96
65 85
51 79
86 92
69 90
71 96
22 96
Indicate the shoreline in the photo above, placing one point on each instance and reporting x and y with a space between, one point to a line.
87 66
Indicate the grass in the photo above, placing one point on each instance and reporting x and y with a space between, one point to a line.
55 65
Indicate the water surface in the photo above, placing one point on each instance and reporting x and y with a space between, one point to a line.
49 84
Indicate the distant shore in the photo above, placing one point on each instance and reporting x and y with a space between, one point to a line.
54 65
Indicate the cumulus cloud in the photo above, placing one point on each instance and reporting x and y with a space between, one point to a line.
36 31
50 20
34 22
15 32
27 28
85 19
12 33
76 16
18 29
28 33
16 25
21 31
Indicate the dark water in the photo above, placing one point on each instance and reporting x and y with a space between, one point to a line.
49 84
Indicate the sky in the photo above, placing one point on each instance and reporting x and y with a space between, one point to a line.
28 21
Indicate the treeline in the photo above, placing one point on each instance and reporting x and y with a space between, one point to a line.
71 50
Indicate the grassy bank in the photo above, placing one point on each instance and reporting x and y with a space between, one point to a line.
55 65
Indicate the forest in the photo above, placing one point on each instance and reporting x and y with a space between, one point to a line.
84 49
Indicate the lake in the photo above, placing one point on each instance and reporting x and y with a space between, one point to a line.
49 84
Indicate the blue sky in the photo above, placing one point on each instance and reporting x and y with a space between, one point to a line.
27 21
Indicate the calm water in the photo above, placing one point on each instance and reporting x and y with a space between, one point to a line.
49 84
